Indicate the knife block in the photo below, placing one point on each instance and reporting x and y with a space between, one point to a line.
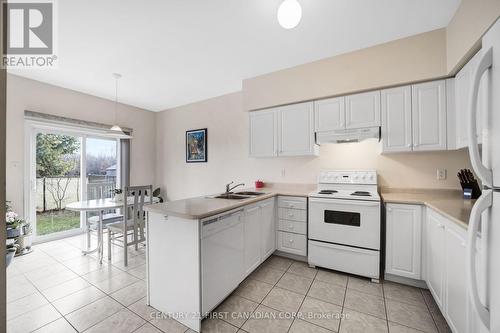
474 187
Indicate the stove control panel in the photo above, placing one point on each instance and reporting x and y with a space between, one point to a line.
368 177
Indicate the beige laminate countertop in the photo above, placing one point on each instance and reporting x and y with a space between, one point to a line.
449 203
201 207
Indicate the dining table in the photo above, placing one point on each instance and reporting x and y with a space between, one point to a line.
100 206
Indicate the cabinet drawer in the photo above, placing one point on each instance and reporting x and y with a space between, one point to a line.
292 243
292 202
293 226
292 214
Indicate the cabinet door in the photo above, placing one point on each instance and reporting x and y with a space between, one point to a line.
396 119
252 238
363 110
429 116
268 229
403 245
329 114
435 256
455 279
296 130
263 133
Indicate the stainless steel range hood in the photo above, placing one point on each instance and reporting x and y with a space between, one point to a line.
348 135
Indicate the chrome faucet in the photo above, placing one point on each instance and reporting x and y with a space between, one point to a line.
229 188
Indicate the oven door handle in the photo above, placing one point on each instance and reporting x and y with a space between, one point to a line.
348 202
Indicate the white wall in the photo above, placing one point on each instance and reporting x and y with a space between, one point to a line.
24 94
228 159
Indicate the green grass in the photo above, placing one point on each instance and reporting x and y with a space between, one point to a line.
55 221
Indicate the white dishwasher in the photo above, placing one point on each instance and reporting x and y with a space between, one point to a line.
222 257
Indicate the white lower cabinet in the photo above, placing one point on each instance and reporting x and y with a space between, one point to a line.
435 255
443 257
404 240
292 243
292 225
260 231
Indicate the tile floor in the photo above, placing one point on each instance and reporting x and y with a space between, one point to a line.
56 289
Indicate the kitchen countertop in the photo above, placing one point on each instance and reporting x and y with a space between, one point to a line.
201 207
449 203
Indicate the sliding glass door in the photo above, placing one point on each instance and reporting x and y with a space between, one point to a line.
66 167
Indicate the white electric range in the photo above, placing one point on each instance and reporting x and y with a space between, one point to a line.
344 223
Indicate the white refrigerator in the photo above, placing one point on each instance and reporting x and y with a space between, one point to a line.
485 215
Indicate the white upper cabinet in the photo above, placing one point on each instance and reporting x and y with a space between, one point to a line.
429 115
404 240
363 110
396 119
460 99
296 129
263 133
329 114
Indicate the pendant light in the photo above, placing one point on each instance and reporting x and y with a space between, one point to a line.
116 130
289 14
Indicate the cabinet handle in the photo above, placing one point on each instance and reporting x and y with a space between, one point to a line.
389 209
290 240
290 227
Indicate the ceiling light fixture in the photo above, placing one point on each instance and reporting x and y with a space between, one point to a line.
116 130
289 14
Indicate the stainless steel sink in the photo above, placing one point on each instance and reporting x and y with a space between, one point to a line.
250 193
232 196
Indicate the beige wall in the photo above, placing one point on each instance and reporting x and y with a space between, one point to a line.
228 159
24 94
416 58
471 20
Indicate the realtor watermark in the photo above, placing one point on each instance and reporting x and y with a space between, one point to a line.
29 34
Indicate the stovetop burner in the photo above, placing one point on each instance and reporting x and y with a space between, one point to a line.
361 193
327 191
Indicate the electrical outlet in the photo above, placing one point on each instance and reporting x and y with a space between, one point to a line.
282 172
441 174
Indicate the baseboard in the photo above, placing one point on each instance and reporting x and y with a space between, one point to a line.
290 256
405 280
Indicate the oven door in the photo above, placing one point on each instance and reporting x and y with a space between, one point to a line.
346 222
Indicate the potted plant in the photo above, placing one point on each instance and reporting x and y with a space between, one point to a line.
10 252
118 194
12 222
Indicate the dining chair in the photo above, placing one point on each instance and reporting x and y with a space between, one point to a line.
121 231
97 191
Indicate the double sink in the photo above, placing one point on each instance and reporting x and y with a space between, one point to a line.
238 195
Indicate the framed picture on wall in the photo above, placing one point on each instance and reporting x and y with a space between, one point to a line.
196 146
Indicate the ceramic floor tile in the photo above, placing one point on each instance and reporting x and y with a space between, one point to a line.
410 315
83 264
143 310
267 274
211 325
278 263
365 286
33 320
356 322
19 288
266 320
436 314
139 272
283 300
303 269
169 325
148 328
294 283
236 310
116 282
300 326
25 304
365 303
331 277
54 280
93 313
131 293
327 292
402 293
133 262
123 321
253 290
105 272
41 273
61 325
65 289
78 299
397 328
324 314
